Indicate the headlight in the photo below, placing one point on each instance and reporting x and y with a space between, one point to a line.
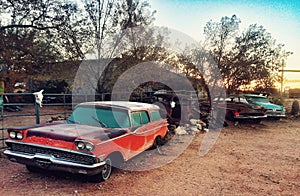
12 134
19 136
80 146
16 135
84 146
89 146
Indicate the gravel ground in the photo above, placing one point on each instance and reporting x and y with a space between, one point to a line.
247 159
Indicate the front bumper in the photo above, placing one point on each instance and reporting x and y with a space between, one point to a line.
276 115
245 117
49 162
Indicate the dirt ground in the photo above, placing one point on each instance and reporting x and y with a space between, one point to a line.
247 159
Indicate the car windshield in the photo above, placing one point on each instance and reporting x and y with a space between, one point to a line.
258 99
237 99
100 116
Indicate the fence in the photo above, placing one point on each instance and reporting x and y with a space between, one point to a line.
20 109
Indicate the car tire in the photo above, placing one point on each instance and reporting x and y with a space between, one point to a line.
230 116
157 143
104 174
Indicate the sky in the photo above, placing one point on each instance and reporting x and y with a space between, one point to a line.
280 18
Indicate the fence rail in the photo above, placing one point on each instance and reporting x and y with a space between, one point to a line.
21 109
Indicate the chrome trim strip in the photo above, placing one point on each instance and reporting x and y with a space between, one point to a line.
51 159
49 147
130 133
149 130
251 117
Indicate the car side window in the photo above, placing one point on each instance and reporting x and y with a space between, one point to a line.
136 119
155 115
145 117
139 118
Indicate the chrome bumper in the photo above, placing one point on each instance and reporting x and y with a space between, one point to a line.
49 162
250 117
276 115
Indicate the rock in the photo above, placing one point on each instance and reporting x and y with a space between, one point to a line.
56 118
194 121
195 129
201 126
180 130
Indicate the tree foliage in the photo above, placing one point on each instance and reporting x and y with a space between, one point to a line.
244 58
37 33
38 36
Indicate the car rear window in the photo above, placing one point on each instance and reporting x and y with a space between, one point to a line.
155 115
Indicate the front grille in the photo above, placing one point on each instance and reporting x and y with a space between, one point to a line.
270 111
59 154
256 114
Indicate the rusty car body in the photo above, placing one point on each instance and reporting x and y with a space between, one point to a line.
239 109
175 107
96 137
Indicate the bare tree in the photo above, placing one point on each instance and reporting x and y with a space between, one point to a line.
110 18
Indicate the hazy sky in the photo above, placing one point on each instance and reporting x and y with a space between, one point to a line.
280 18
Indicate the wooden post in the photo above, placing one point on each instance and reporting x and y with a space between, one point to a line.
37 112
281 87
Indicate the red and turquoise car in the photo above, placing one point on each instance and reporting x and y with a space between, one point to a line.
272 110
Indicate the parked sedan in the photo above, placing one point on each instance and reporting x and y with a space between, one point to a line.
239 109
97 136
273 110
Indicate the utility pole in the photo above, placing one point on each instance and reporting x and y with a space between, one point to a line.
281 86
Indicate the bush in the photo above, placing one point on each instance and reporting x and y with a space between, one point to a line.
295 108
277 99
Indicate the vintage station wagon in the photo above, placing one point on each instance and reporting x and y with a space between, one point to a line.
96 137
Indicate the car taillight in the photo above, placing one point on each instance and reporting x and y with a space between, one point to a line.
236 113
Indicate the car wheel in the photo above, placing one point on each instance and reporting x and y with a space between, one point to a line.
107 169
230 116
104 174
158 142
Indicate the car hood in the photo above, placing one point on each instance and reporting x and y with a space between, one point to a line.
269 105
71 132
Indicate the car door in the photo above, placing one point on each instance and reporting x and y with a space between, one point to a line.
140 133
